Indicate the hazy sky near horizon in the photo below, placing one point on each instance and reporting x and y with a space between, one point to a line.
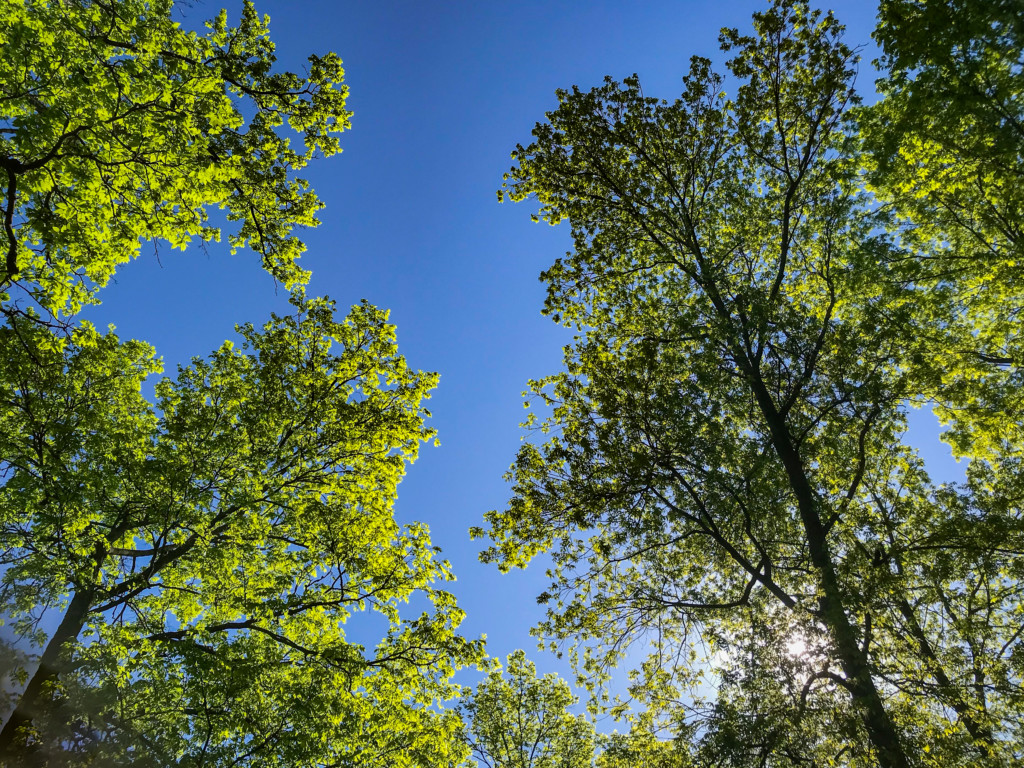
441 93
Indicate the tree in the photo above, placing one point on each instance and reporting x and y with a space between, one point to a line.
205 551
522 721
642 748
723 465
117 127
210 549
947 153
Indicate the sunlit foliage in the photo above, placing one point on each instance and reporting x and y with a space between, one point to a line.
759 295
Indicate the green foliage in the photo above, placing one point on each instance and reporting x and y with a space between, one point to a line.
947 154
117 126
643 749
204 553
209 552
722 480
515 719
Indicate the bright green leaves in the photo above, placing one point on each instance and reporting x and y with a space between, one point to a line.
223 540
946 147
225 562
74 424
121 128
789 121
515 719
703 256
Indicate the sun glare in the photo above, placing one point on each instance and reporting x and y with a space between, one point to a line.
796 647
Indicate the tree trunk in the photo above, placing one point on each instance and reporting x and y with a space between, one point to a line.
16 746
852 658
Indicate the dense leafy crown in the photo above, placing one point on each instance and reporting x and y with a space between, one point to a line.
214 547
721 478
515 719
117 126
201 556
947 154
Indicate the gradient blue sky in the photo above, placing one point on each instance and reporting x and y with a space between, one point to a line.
441 93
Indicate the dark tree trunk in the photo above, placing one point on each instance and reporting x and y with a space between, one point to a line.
17 747
852 658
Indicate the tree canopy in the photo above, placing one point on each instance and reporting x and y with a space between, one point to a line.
210 549
117 127
761 286
946 152
206 556
515 719
766 275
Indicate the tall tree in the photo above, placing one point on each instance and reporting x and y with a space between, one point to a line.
209 550
515 719
723 465
203 552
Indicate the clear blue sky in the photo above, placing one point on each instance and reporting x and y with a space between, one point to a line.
441 93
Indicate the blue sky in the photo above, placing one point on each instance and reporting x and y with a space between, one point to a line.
441 93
